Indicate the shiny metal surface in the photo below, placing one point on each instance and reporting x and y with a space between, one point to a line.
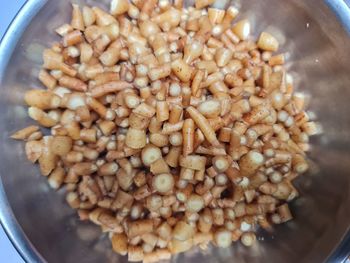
42 226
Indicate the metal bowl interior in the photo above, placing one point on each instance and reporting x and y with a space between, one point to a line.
42 226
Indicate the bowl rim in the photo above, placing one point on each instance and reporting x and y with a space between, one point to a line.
8 43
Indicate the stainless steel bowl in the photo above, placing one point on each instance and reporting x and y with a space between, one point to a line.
43 228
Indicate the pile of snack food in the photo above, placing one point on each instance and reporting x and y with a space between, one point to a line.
169 127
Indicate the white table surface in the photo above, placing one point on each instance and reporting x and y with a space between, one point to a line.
8 10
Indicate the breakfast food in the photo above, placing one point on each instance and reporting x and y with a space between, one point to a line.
169 127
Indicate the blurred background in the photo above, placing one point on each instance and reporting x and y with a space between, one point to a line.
8 11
